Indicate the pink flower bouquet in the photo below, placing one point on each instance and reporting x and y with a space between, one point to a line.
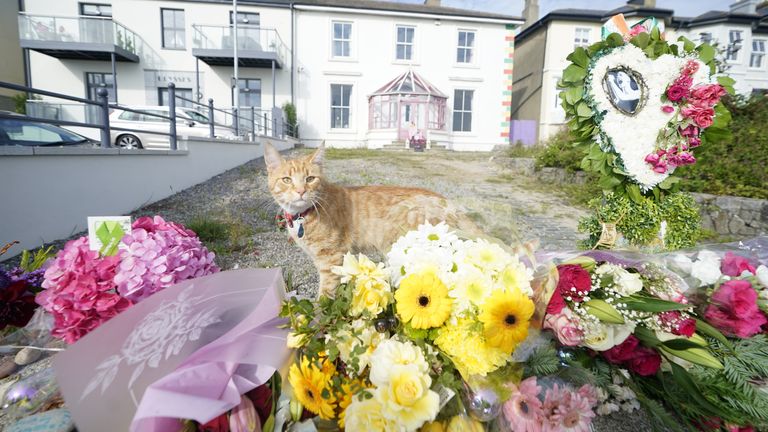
83 289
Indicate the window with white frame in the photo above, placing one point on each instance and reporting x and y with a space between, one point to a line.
581 37
174 32
342 39
404 45
705 37
340 105
465 49
734 45
758 52
462 110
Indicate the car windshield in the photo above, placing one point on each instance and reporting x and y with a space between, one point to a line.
26 133
196 116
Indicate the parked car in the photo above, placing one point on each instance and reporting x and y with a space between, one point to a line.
189 122
19 131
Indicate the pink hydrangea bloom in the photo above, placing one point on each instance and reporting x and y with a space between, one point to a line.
160 254
79 291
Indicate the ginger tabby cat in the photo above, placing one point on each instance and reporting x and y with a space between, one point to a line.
327 220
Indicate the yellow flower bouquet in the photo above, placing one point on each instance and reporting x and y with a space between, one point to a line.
402 345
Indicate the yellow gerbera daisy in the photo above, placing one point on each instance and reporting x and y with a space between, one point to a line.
309 383
422 300
505 316
348 390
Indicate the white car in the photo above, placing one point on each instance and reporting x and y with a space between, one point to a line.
189 122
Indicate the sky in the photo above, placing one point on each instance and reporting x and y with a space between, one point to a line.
686 8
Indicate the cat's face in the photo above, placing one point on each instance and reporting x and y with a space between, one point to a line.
294 183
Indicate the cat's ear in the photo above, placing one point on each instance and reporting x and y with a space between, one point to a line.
318 156
271 156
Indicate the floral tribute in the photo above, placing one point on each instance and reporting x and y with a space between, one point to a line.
644 337
692 107
83 289
638 105
403 344
18 287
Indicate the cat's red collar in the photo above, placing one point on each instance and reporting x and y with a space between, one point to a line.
289 218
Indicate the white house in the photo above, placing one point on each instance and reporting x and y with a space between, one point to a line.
334 59
545 43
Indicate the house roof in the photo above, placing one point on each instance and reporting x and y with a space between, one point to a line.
409 83
408 8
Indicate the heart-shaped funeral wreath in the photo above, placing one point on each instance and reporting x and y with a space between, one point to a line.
640 107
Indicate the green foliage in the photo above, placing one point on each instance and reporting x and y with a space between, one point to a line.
584 120
639 222
290 117
543 361
20 101
33 261
519 150
560 152
734 166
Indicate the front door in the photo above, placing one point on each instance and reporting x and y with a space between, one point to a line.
412 120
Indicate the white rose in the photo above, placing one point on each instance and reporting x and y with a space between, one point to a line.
390 354
607 336
706 268
762 275
625 283
680 263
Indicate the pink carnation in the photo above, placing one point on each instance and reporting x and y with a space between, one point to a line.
79 291
735 265
733 309
160 254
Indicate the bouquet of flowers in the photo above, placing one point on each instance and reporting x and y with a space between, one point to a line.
611 314
83 289
18 287
400 341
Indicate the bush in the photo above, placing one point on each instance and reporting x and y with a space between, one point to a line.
737 166
560 153
290 117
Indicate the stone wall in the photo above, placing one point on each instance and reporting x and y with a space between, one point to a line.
726 215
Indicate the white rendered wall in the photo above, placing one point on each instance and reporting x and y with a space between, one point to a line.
143 18
373 64
66 185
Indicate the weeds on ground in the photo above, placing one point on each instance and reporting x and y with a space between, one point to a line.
222 235
518 150
341 153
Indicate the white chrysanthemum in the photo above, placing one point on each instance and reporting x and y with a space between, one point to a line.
486 256
515 275
635 137
470 287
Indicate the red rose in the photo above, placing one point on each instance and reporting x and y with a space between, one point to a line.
676 92
735 265
733 309
685 328
646 362
574 282
219 424
556 303
623 351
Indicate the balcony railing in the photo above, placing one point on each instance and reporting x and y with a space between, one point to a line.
85 38
256 46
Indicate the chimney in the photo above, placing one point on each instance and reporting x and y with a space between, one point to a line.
530 12
642 3
745 7
432 3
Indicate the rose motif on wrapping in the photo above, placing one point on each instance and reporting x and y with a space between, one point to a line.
158 336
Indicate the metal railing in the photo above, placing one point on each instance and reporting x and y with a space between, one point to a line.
249 38
255 123
93 30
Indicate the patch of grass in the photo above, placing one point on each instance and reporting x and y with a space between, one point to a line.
560 153
476 217
518 150
341 153
223 236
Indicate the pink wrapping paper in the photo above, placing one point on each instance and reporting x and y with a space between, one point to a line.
188 351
